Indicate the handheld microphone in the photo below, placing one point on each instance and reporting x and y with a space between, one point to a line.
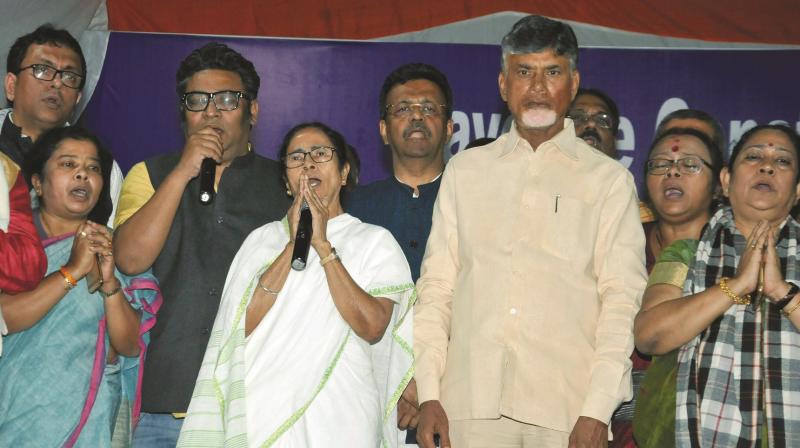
208 170
302 241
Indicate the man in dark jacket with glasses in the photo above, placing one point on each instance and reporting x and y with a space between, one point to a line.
190 245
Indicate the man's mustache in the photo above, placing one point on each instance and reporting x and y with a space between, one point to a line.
591 132
415 127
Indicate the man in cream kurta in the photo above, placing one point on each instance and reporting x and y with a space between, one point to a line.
533 272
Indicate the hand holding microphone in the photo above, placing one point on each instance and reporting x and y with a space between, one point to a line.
302 239
199 158
310 232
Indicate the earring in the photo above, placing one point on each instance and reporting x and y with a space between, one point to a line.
344 181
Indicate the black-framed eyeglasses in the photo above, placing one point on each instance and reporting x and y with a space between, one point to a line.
44 72
685 165
319 154
226 100
600 119
405 109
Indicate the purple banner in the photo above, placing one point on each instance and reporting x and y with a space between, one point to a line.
134 107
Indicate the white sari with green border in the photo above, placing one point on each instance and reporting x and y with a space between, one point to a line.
303 377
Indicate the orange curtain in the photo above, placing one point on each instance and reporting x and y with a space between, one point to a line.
768 21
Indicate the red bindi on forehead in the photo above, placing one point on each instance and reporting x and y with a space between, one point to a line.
675 148
770 144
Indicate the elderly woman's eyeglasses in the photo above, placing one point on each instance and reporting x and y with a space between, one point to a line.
226 100
44 72
685 165
405 109
600 119
319 154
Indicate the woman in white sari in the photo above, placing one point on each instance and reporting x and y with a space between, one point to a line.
311 358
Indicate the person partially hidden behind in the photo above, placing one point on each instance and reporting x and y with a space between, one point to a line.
21 253
415 107
46 72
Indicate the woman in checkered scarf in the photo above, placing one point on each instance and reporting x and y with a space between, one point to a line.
736 318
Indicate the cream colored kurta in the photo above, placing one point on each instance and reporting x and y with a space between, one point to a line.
531 279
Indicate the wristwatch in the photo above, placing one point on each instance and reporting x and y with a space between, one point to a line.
793 289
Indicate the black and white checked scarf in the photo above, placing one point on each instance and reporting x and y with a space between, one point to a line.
745 368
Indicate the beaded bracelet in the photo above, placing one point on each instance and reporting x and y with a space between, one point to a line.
723 285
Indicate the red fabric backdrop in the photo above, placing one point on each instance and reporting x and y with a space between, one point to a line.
767 21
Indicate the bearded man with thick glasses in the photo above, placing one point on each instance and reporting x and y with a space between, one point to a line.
46 72
162 223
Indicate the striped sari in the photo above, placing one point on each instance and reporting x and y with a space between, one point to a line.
303 377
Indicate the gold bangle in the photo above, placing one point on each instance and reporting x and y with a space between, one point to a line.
332 256
723 285
69 280
788 312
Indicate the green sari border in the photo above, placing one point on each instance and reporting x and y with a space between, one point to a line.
237 339
392 402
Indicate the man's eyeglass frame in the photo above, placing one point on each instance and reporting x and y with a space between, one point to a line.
211 96
582 117
397 114
42 69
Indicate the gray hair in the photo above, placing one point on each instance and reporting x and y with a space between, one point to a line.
533 34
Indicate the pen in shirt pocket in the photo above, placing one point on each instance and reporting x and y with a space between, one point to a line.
556 208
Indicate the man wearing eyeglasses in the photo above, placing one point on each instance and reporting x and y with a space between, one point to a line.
415 107
190 245
45 75
596 120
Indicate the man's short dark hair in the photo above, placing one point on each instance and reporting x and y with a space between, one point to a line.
44 35
217 56
610 104
411 72
533 34
694 114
